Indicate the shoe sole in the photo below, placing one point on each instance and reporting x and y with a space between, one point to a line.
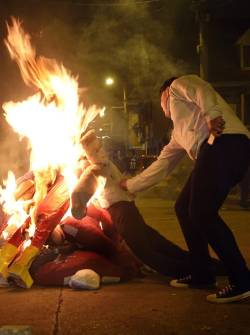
240 297
174 283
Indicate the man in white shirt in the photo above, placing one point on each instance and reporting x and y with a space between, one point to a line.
118 207
207 130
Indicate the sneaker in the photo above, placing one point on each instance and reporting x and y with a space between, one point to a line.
187 282
230 293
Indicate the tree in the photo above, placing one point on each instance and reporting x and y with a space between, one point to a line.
125 41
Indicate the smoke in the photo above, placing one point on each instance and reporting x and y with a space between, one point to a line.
136 42
140 44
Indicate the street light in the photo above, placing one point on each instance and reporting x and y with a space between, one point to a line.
109 81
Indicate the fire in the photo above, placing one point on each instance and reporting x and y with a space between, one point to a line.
53 120
101 182
14 209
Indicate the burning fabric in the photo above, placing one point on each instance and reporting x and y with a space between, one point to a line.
53 120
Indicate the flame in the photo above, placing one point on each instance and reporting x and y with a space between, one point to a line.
53 120
101 182
30 232
100 224
13 208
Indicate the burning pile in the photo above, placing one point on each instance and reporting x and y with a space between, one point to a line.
53 120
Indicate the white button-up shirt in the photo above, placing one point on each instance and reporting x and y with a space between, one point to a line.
192 102
111 192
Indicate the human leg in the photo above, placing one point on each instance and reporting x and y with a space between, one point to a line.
244 186
214 174
130 224
200 262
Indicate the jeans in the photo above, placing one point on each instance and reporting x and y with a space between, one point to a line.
218 168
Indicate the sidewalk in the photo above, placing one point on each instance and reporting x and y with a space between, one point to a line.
141 307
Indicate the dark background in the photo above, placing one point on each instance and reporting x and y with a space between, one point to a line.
138 42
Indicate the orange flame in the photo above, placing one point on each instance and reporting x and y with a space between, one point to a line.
53 119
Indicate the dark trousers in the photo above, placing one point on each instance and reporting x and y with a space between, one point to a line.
245 189
148 245
218 168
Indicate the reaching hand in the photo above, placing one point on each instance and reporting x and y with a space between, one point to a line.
216 126
123 184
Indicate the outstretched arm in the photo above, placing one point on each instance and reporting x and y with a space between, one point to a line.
169 157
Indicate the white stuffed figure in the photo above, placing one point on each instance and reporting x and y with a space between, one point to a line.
101 174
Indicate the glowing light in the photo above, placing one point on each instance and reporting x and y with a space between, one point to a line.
109 81
102 113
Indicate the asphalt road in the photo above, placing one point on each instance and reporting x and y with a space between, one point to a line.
145 306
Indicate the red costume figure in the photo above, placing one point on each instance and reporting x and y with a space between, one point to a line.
48 214
96 243
92 248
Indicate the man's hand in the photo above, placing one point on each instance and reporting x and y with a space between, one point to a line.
216 126
123 184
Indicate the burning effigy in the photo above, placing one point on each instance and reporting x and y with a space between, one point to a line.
38 205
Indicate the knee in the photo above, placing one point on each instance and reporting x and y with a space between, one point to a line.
181 209
196 216
202 217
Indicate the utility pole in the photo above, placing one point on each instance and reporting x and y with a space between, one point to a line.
203 35
125 107
202 16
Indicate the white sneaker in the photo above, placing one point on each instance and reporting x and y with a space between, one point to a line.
187 282
230 293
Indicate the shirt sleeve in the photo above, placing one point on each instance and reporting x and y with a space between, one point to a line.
169 157
196 90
